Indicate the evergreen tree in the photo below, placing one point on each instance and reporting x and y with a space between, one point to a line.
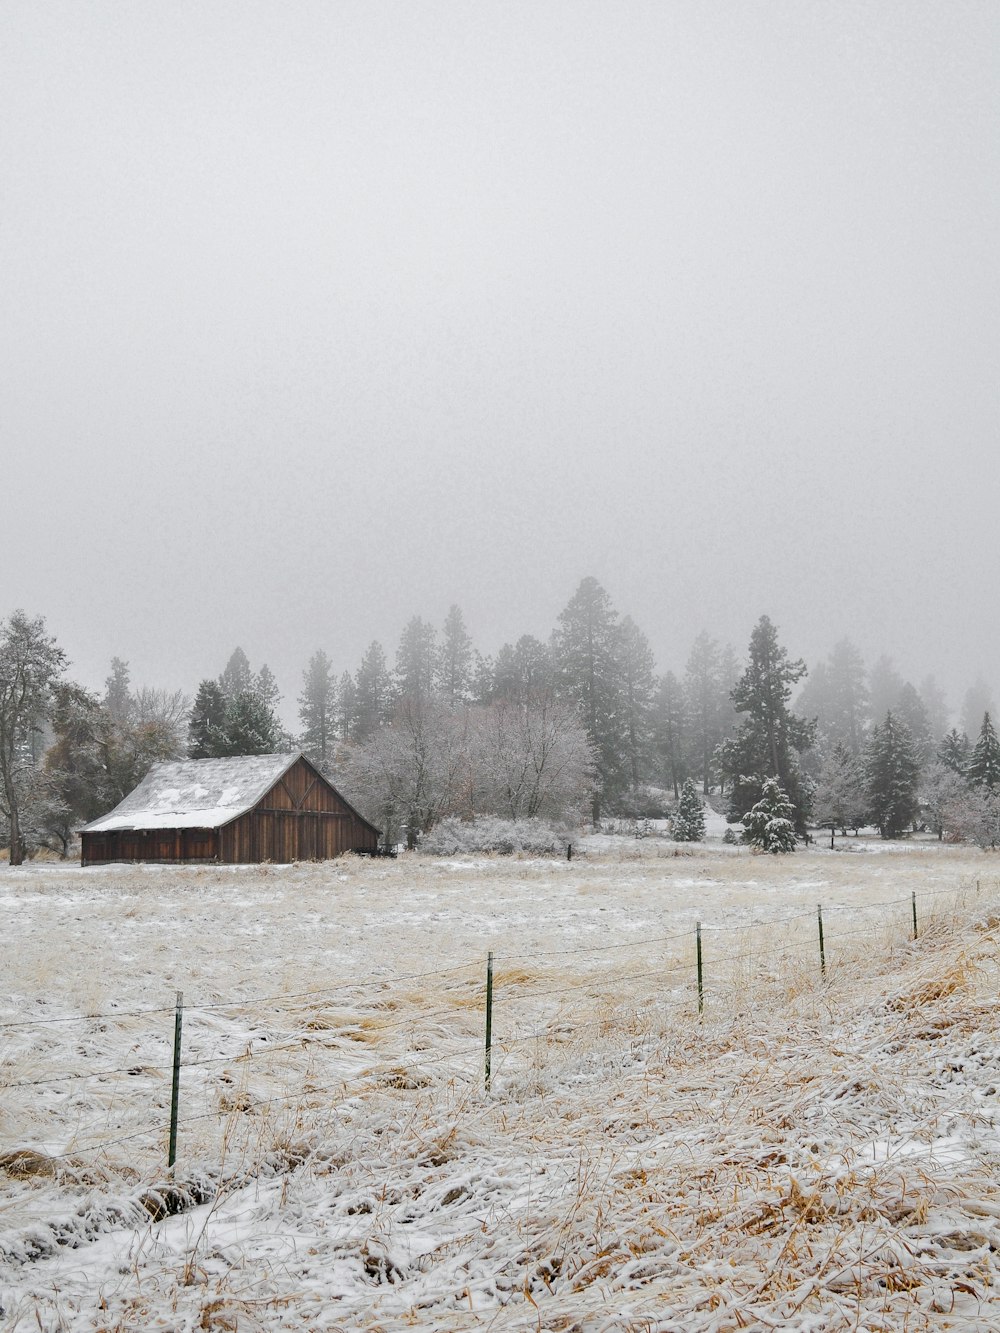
935 706
704 707
977 701
770 738
848 697
207 727
482 679
347 707
669 726
250 725
236 675
892 771
953 751
984 762
587 646
729 673
266 687
317 709
884 686
455 660
911 712
638 684
117 694
836 695
374 697
688 822
769 825
523 672
416 660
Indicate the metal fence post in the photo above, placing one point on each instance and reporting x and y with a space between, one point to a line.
176 1084
822 950
489 1018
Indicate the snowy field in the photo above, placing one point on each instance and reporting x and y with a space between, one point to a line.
811 1153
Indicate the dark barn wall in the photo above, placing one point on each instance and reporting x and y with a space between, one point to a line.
189 844
302 818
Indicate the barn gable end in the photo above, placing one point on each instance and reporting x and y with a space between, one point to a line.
237 810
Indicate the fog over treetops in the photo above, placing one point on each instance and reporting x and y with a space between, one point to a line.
318 317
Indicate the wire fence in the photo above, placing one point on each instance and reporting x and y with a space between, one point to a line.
245 1075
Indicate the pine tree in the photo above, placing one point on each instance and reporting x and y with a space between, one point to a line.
266 686
416 659
117 694
935 706
207 727
669 724
911 712
523 672
977 701
984 762
704 707
347 708
769 825
455 660
317 705
892 771
688 822
587 648
770 738
251 726
638 684
884 687
374 696
954 750
236 675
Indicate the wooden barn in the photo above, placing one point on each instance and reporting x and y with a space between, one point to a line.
265 807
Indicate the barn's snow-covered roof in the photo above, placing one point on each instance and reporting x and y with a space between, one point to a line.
195 793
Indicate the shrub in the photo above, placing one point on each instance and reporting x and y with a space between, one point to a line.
768 826
687 824
489 834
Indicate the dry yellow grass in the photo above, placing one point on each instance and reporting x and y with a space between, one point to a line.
814 1154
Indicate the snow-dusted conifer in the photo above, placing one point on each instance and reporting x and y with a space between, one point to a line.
207 726
953 751
770 738
984 762
769 826
317 708
455 659
688 822
891 770
587 654
374 697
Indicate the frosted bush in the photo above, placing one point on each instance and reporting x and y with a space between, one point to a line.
490 834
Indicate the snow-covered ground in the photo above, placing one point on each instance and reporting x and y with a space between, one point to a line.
808 1155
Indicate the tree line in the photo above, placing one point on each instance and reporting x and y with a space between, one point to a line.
579 723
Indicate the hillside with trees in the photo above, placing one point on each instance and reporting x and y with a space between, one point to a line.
577 728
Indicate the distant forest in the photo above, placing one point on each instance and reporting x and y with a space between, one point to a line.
579 727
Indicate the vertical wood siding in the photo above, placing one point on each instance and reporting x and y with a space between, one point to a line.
301 818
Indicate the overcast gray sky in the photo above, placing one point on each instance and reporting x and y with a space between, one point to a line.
320 315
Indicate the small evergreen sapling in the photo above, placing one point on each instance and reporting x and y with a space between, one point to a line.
769 826
688 821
